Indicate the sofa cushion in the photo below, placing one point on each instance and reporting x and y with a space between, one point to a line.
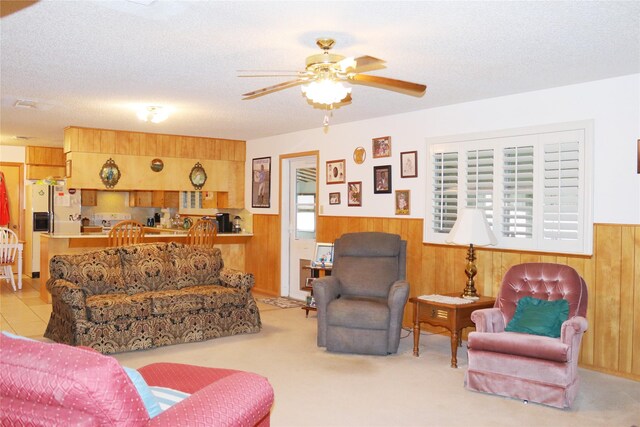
175 301
215 296
147 267
359 312
97 272
195 265
513 343
112 307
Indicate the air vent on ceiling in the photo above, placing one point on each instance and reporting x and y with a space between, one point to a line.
26 103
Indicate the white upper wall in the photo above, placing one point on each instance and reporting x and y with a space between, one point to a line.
10 153
613 105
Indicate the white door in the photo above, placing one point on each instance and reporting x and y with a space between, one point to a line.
302 210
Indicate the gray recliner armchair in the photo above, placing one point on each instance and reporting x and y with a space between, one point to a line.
360 306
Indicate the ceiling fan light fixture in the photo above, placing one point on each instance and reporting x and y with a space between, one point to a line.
153 114
325 91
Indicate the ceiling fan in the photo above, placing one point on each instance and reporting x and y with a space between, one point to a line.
324 73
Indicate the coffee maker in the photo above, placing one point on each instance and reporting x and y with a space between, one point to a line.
224 223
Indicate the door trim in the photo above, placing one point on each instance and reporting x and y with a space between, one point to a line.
21 231
284 228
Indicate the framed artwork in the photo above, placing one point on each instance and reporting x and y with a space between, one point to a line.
409 164
309 283
110 173
67 168
403 202
359 155
354 193
323 256
334 198
335 171
381 147
261 184
382 179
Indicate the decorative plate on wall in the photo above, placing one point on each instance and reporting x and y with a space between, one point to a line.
359 154
110 174
198 176
157 165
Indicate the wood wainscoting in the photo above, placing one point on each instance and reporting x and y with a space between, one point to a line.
612 343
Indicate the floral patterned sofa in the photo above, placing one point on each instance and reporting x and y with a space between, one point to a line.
148 295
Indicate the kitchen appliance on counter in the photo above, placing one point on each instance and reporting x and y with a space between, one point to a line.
48 209
224 223
237 224
108 220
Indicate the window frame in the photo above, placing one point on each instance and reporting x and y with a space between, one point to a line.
539 137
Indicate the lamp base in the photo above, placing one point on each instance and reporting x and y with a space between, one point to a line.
471 270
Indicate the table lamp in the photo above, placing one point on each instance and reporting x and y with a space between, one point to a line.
471 228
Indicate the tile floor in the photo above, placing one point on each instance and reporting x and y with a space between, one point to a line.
23 312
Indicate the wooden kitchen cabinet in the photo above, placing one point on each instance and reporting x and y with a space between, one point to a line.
89 197
154 199
141 199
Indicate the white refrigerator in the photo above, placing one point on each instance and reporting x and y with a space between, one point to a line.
49 209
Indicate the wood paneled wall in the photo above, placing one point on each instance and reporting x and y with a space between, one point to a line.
612 343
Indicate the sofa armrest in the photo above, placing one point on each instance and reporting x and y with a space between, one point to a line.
325 290
231 278
68 298
240 399
488 320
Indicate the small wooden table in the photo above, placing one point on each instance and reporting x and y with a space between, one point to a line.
453 317
315 273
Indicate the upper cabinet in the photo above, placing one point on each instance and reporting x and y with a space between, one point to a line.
136 155
44 162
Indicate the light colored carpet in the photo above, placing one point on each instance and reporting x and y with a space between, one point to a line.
317 388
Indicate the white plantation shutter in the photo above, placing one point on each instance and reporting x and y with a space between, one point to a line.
445 191
517 192
561 191
531 184
480 181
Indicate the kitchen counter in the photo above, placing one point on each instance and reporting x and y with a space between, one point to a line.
230 244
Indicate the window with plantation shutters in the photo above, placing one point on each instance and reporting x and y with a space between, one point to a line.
480 181
531 183
445 191
517 192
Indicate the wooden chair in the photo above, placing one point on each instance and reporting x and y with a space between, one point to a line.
126 233
8 250
202 233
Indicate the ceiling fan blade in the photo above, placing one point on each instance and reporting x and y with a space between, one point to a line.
409 88
274 88
368 63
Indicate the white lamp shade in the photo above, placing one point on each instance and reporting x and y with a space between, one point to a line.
471 227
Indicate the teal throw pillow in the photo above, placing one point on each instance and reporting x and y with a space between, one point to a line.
539 317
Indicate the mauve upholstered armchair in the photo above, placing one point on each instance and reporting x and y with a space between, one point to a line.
523 366
360 306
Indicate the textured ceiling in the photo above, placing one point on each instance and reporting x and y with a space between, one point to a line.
90 63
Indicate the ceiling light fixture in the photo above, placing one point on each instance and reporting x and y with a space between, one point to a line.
153 114
325 91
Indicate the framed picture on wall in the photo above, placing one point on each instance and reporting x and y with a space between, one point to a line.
382 179
409 164
335 171
403 202
261 182
334 198
381 147
354 193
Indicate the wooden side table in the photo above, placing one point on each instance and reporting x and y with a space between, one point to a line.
453 317
315 273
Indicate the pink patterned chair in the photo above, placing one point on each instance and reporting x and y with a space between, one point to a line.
59 385
530 367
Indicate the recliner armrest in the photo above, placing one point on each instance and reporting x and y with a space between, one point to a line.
488 320
398 294
241 399
325 290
